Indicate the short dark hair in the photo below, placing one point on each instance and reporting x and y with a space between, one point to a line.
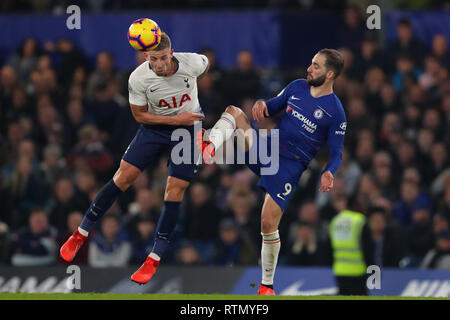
164 43
334 60
404 22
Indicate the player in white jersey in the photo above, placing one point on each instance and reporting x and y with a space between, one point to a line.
163 97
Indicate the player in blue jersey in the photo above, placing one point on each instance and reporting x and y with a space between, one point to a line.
313 116
163 97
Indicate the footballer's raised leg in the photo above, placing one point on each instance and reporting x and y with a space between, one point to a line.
173 196
232 119
122 180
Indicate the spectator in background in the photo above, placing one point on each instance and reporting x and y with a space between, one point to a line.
374 80
406 42
53 166
382 173
441 222
90 152
365 150
420 236
368 56
75 118
411 198
234 246
358 118
66 201
104 72
26 191
406 73
187 254
389 98
439 49
353 29
242 81
439 256
434 73
349 69
210 99
306 249
242 209
308 214
214 70
69 56
432 121
25 59
4 243
34 245
110 247
73 221
389 247
147 205
20 105
202 216
368 189
439 159
143 238
104 110
86 183
8 82
349 172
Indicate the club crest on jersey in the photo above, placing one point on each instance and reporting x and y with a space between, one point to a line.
318 114
187 82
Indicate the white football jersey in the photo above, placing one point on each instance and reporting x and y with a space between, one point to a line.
168 95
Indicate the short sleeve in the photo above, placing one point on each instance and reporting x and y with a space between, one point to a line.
197 63
136 92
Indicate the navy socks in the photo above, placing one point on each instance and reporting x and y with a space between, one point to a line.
102 202
166 225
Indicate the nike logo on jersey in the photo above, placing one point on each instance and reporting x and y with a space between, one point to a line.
295 98
153 90
279 196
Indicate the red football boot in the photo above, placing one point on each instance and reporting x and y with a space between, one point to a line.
206 147
265 291
146 271
70 248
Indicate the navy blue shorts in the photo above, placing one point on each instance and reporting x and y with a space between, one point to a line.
153 140
281 183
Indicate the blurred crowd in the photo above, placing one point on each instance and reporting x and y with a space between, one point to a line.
96 6
65 125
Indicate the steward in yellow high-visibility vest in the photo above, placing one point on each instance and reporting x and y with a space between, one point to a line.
352 251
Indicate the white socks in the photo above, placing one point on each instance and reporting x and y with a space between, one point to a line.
83 232
154 256
269 256
222 130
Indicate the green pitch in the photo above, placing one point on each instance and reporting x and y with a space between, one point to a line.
118 296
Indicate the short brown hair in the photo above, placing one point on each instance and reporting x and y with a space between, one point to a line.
334 61
165 42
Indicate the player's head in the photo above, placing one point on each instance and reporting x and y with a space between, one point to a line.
326 66
160 58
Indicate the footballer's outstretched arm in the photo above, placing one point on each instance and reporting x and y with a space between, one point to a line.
141 115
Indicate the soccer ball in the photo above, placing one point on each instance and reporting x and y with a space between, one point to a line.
144 34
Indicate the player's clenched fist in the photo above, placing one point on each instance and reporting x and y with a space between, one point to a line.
259 110
187 118
326 181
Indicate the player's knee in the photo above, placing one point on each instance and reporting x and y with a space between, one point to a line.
234 111
123 179
175 190
267 225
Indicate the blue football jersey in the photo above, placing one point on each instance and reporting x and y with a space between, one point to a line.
308 123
